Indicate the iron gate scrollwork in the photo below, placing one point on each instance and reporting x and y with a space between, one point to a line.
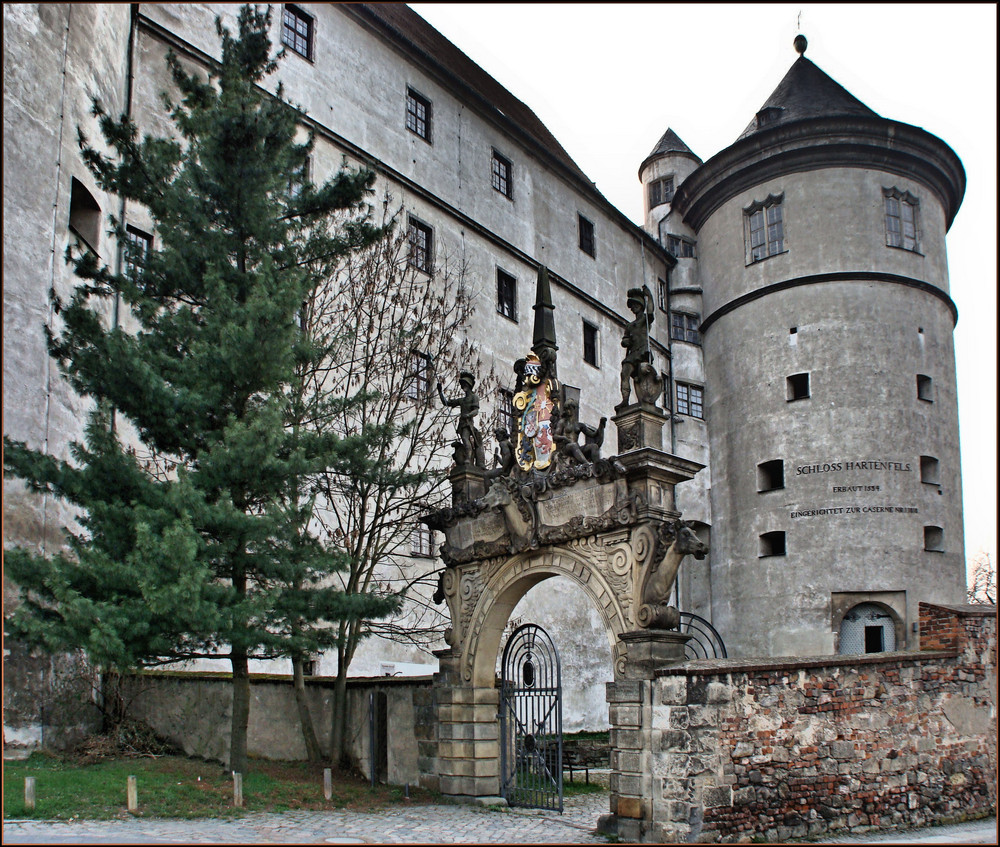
531 721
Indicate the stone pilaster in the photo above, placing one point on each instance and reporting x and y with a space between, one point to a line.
468 745
634 740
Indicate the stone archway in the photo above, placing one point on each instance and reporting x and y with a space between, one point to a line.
515 577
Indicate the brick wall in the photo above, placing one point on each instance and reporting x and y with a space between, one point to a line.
801 747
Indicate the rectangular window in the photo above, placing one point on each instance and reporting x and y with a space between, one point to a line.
661 191
690 400
591 349
421 245
418 114
501 174
685 327
930 470
680 247
507 414
137 247
586 236
297 30
934 539
422 542
771 475
506 295
925 388
901 209
765 230
418 386
662 294
772 544
797 386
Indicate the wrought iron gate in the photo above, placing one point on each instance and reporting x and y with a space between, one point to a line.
531 720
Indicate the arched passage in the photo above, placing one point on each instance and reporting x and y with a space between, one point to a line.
511 582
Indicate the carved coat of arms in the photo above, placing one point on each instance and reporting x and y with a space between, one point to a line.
535 406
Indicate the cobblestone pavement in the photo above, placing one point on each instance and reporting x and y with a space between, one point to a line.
418 824
433 824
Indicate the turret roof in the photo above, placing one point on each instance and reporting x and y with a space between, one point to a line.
806 92
669 143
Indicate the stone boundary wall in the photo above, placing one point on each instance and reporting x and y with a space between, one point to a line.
795 748
194 710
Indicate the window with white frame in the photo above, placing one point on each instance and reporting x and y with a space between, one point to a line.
422 541
501 174
421 245
418 386
662 295
418 114
690 400
506 295
297 30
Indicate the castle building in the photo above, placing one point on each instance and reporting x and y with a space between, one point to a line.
803 323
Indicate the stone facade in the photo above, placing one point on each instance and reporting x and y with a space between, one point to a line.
864 319
797 748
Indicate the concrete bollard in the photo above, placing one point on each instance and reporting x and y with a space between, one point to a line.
132 794
238 790
327 784
29 793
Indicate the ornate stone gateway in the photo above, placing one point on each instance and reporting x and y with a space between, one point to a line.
531 721
554 507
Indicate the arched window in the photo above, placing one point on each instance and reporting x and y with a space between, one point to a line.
867 628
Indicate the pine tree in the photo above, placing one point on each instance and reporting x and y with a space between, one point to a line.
193 536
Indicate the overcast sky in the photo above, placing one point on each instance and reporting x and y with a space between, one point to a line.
608 79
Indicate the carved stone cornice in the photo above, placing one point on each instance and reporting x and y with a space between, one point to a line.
810 144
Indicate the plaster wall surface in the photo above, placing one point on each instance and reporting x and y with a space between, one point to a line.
834 221
56 57
848 526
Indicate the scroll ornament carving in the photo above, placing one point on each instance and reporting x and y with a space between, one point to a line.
663 547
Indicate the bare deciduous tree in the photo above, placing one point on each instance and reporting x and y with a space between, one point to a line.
391 332
982 580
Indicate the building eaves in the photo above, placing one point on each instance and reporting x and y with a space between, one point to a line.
425 44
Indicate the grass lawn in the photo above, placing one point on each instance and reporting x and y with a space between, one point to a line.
180 787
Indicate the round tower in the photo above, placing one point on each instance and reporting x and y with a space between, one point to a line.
830 373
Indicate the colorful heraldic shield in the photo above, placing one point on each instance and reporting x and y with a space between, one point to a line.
535 447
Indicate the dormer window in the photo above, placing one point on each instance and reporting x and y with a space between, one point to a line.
768 115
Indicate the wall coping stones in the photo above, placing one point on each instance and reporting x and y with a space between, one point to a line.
971 610
716 667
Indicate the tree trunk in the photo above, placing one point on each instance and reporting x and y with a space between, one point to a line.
241 712
313 752
338 735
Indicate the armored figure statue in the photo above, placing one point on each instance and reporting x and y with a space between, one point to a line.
637 366
469 447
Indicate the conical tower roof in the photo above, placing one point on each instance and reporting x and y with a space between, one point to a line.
669 144
806 92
